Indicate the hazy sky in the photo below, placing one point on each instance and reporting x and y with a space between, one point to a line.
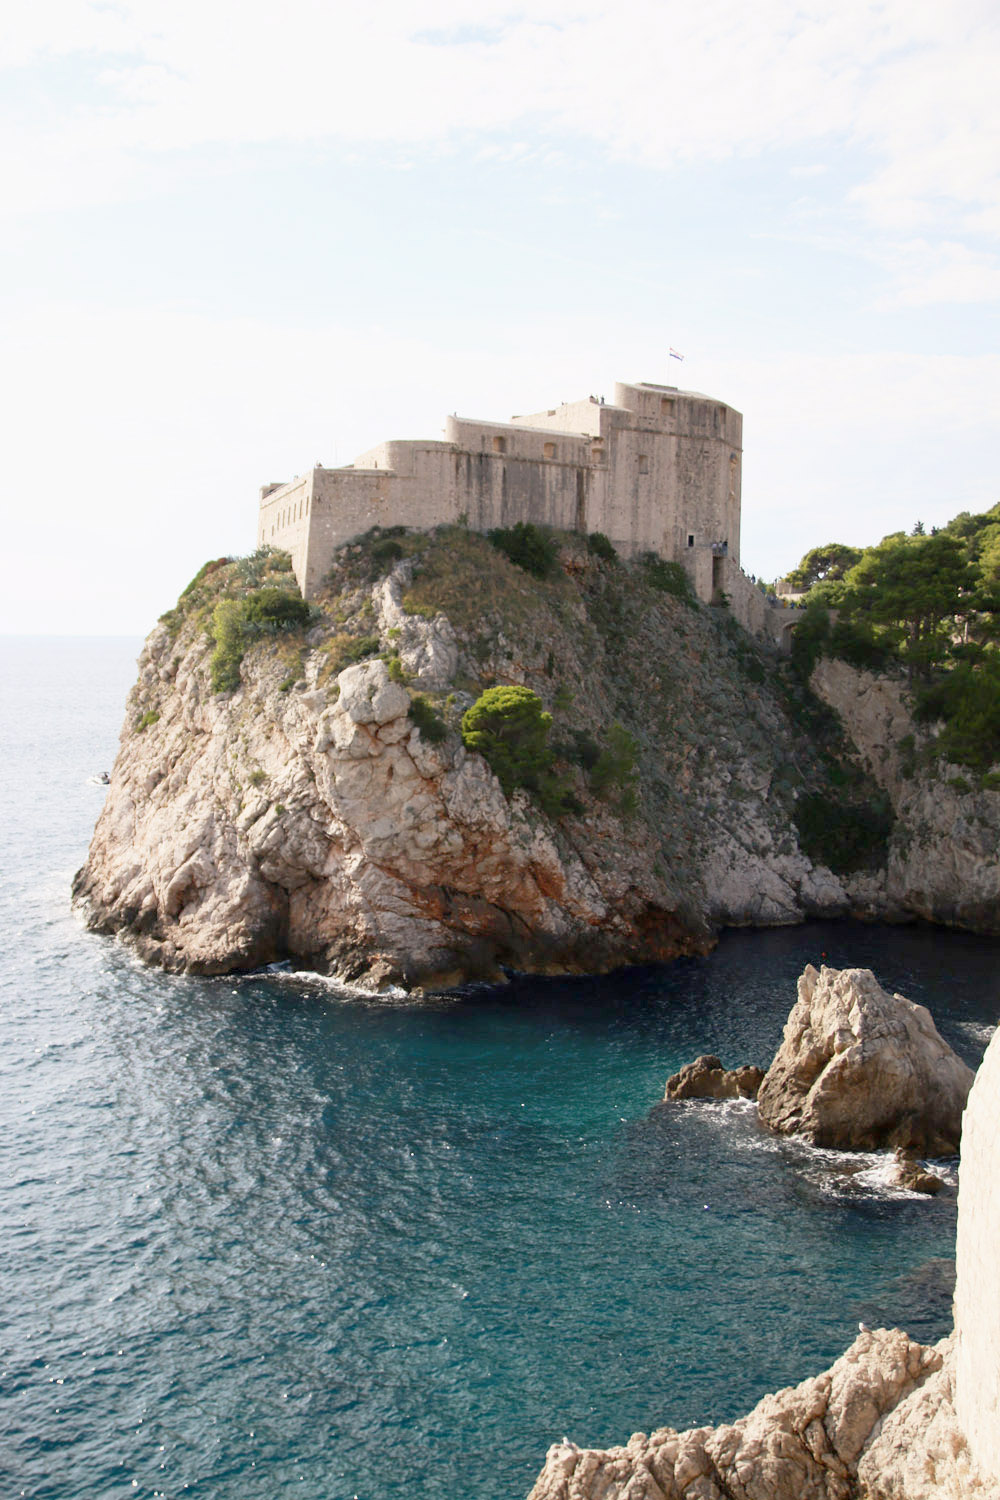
240 238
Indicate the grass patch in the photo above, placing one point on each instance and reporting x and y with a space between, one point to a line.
344 650
667 577
462 576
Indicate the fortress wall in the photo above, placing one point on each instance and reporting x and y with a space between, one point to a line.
542 444
345 503
657 467
977 1288
501 491
283 520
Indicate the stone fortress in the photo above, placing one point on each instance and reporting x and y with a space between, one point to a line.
657 470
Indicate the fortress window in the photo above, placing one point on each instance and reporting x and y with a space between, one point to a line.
667 405
549 450
690 540
643 463
499 445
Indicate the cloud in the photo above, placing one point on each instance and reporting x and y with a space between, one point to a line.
925 274
909 83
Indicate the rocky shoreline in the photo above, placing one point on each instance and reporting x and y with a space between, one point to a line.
891 1419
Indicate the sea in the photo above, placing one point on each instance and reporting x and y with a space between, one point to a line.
264 1237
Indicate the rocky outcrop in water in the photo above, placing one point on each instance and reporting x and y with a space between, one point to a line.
880 1424
859 1069
325 825
706 1078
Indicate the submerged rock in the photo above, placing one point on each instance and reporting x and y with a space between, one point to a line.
860 1069
706 1078
907 1172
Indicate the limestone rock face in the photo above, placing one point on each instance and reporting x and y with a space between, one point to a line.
302 814
859 1069
920 1451
977 1286
706 1078
943 864
321 825
803 1443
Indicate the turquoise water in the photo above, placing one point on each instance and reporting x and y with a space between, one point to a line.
266 1238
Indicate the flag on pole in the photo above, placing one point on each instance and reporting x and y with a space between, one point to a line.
675 354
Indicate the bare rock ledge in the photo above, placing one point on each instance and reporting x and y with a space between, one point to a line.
706 1078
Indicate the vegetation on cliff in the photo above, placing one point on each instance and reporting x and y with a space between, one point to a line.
927 605
446 763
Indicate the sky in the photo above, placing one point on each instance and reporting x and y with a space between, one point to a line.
239 239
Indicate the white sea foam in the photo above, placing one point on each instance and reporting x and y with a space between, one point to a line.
980 1031
840 1174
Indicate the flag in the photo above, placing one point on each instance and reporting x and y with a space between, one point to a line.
675 355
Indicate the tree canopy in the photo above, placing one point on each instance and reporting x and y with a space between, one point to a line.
822 563
928 601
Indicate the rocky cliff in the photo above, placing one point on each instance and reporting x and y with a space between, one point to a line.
308 794
942 861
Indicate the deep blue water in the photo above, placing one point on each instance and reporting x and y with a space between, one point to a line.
268 1239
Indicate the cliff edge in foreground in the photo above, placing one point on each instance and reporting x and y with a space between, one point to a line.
890 1420
293 781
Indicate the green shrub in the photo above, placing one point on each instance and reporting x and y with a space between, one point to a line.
856 642
615 766
667 577
844 836
271 610
427 719
528 547
395 669
344 650
579 748
227 632
967 702
149 717
510 728
810 639
237 623
601 546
